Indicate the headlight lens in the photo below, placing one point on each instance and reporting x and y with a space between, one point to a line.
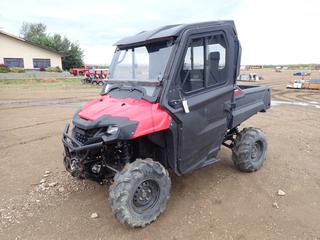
112 130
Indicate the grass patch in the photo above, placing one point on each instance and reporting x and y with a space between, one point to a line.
45 83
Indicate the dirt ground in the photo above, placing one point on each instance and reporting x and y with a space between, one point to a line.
216 202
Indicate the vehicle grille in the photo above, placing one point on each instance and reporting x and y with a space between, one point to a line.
81 135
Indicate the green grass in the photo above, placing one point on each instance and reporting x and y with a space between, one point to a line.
39 83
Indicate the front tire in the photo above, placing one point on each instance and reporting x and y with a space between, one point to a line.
140 192
250 150
74 167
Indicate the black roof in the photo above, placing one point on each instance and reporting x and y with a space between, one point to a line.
166 32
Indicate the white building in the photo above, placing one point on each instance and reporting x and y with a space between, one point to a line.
17 52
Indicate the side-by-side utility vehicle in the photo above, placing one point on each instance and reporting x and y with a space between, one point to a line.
169 103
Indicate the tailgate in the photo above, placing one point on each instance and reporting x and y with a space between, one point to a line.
249 100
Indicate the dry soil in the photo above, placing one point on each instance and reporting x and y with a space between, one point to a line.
216 202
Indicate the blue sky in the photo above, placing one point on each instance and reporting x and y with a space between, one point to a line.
271 31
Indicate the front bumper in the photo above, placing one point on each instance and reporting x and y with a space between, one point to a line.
73 145
76 152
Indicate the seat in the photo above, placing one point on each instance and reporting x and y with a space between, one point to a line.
213 72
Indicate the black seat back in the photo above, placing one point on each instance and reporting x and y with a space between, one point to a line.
213 68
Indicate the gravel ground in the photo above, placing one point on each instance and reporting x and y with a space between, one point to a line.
39 200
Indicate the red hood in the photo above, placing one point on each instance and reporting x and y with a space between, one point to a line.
149 116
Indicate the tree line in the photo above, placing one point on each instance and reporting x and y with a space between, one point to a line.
72 54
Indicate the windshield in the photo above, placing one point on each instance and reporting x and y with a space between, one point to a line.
145 63
141 67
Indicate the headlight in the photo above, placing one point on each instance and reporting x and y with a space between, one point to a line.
112 130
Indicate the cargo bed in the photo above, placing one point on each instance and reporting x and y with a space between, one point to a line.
249 101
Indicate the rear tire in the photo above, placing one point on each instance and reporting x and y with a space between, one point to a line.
140 192
250 150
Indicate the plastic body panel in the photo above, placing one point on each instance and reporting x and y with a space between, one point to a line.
149 117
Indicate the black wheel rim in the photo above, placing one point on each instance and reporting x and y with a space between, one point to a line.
256 151
146 196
